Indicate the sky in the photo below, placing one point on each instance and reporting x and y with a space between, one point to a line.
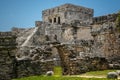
24 13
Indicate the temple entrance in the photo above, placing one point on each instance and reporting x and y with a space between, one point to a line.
50 20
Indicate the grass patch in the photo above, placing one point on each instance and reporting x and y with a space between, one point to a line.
57 71
58 75
98 73
57 78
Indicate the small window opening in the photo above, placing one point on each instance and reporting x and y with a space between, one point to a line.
58 20
54 20
118 36
50 20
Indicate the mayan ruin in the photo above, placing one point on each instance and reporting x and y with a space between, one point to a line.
68 36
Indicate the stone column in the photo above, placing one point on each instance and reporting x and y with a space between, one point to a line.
52 20
57 20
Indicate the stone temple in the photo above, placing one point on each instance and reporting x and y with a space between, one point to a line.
68 36
67 13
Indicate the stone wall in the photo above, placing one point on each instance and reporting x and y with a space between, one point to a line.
5 66
7 49
73 64
106 37
105 18
83 33
14 65
30 68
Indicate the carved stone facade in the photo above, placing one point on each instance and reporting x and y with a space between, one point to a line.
67 13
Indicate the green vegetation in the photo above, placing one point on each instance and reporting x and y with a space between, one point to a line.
118 22
98 73
58 75
57 71
58 78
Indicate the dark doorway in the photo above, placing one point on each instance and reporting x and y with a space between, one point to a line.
58 20
54 20
50 20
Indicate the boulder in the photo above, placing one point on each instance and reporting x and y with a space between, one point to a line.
49 73
118 72
112 75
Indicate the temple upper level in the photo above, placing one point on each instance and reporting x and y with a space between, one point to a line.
67 13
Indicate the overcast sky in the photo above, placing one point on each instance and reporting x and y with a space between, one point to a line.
23 13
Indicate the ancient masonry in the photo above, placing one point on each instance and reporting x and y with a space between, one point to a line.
69 36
